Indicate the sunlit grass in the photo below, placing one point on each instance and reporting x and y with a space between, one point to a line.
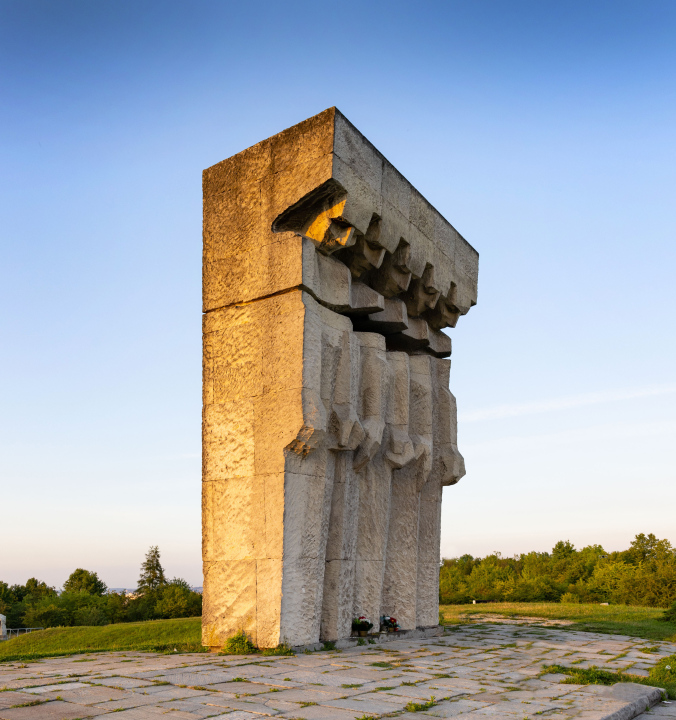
643 622
183 634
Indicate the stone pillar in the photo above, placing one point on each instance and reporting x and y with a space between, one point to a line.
328 426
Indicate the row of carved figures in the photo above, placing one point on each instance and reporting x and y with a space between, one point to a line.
384 446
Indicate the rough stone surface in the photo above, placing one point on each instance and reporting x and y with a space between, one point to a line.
328 427
474 671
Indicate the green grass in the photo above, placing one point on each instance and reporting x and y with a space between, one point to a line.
660 676
642 622
420 707
155 636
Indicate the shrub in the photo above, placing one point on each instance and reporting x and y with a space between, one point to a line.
670 613
282 649
664 673
239 644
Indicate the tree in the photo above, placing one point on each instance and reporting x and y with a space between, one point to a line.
563 550
86 582
178 600
152 572
35 588
6 598
647 547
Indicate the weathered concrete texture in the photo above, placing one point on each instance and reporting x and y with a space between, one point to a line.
328 427
473 671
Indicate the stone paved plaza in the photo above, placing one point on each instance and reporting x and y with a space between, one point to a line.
473 671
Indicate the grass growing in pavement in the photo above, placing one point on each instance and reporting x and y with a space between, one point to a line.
419 707
642 622
183 634
662 675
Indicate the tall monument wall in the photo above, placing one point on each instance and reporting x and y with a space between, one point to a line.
329 430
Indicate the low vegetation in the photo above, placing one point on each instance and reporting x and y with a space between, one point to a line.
422 706
643 575
643 622
662 675
168 636
182 635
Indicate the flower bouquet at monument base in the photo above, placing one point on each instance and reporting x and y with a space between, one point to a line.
361 625
389 624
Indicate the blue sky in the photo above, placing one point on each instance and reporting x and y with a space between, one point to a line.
543 131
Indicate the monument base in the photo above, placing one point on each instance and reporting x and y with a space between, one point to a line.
377 638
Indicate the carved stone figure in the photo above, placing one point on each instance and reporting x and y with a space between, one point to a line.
329 430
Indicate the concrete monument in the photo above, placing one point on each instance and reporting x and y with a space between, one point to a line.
329 430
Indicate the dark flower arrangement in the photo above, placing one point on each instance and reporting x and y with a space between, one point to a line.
389 623
361 624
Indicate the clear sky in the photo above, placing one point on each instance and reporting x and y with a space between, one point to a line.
544 131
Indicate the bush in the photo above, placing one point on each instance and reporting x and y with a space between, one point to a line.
670 613
239 644
664 673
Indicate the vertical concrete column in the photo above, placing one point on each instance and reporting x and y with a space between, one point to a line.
400 577
346 432
447 468
375 476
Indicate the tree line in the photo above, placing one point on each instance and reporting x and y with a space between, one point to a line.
644 574
86 600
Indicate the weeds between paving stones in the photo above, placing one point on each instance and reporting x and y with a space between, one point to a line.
386 687
307 704
419 707
282 649
662 675
353 685
29 704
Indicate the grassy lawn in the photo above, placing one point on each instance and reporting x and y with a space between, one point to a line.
643 622
185 634
157 635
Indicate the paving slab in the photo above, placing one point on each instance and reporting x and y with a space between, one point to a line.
121 682
12 697
54 710
58 687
